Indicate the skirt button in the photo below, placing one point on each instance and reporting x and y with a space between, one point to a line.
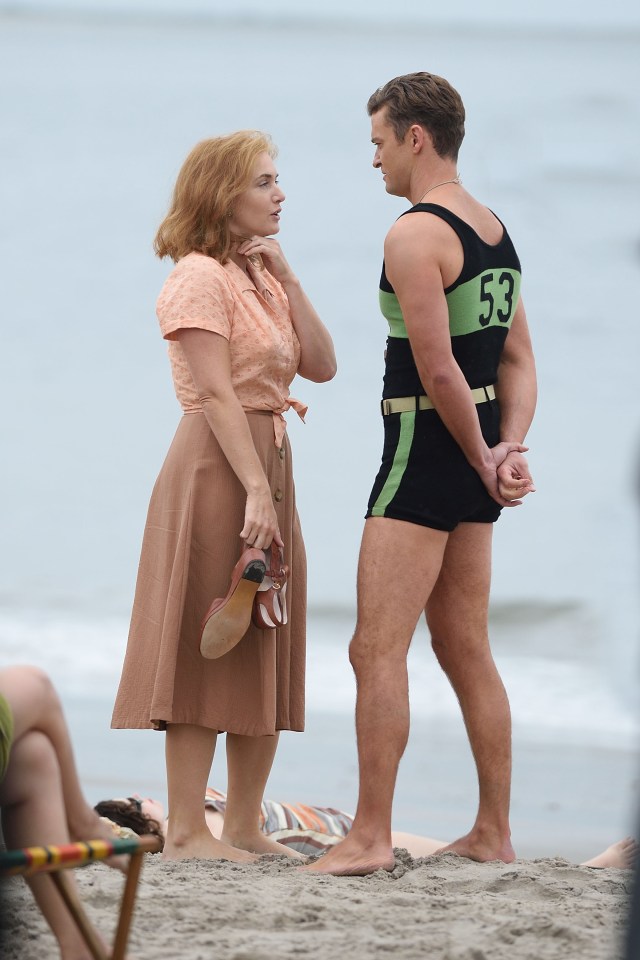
278 495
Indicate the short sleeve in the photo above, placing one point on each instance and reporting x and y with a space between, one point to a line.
196 294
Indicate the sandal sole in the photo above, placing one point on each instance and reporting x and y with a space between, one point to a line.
228 625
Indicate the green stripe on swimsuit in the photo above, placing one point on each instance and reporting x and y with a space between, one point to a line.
6 735
400 460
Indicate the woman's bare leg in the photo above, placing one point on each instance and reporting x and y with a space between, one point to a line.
33 814
622 855
249 761
416 845
36 706
189 755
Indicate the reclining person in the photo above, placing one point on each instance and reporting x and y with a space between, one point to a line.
304 830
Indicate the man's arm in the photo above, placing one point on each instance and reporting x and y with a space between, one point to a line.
516 388
516 391
416 249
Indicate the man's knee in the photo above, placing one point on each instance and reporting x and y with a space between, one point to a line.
455 634
373 652
444 650
357 651
463 654
441 632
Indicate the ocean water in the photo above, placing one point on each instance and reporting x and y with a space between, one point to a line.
575 780
104 101
556 695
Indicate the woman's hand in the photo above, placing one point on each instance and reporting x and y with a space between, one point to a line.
271 253
317 356
209 361
260 521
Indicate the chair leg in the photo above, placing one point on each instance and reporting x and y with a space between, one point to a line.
81 919
126 906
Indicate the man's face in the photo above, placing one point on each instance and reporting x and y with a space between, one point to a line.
391 157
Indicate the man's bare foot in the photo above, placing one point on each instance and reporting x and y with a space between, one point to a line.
261 844
352 859
480 847
203 846
622 855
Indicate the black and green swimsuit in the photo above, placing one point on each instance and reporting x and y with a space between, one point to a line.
425 477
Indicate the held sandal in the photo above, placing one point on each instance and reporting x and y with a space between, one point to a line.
270 603
228 618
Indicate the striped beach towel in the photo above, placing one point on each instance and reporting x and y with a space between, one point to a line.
309 830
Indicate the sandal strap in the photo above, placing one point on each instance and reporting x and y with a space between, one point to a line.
277 569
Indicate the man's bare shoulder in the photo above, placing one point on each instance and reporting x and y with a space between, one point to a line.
419 236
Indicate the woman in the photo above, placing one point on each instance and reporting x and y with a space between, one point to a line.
41 800
239 328
306 830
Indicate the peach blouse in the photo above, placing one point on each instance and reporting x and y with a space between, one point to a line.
252 313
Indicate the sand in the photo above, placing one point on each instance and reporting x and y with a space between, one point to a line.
443 908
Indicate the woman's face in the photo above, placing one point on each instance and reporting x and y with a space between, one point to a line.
147 805
256 212
153 809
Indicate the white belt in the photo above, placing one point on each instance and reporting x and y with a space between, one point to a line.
407 404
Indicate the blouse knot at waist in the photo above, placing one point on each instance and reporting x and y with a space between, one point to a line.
279 422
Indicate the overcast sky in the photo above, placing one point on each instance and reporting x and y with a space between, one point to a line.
577 14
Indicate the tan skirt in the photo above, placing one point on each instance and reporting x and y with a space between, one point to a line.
191 544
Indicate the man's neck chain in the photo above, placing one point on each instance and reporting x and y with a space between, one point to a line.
456 179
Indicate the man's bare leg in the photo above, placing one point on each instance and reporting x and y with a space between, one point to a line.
249 761
457 616
399 563
189 754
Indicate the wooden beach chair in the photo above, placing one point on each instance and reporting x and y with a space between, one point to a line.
55 860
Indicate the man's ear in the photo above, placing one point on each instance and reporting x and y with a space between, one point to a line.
417 137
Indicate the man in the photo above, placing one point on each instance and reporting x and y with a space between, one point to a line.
459 396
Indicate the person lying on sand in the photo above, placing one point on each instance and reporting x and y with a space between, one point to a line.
302 830
41 801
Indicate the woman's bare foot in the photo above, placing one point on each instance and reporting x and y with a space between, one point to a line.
262 845
202 846
622 855
93 827
481 847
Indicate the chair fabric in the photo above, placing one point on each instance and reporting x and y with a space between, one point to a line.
55 859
